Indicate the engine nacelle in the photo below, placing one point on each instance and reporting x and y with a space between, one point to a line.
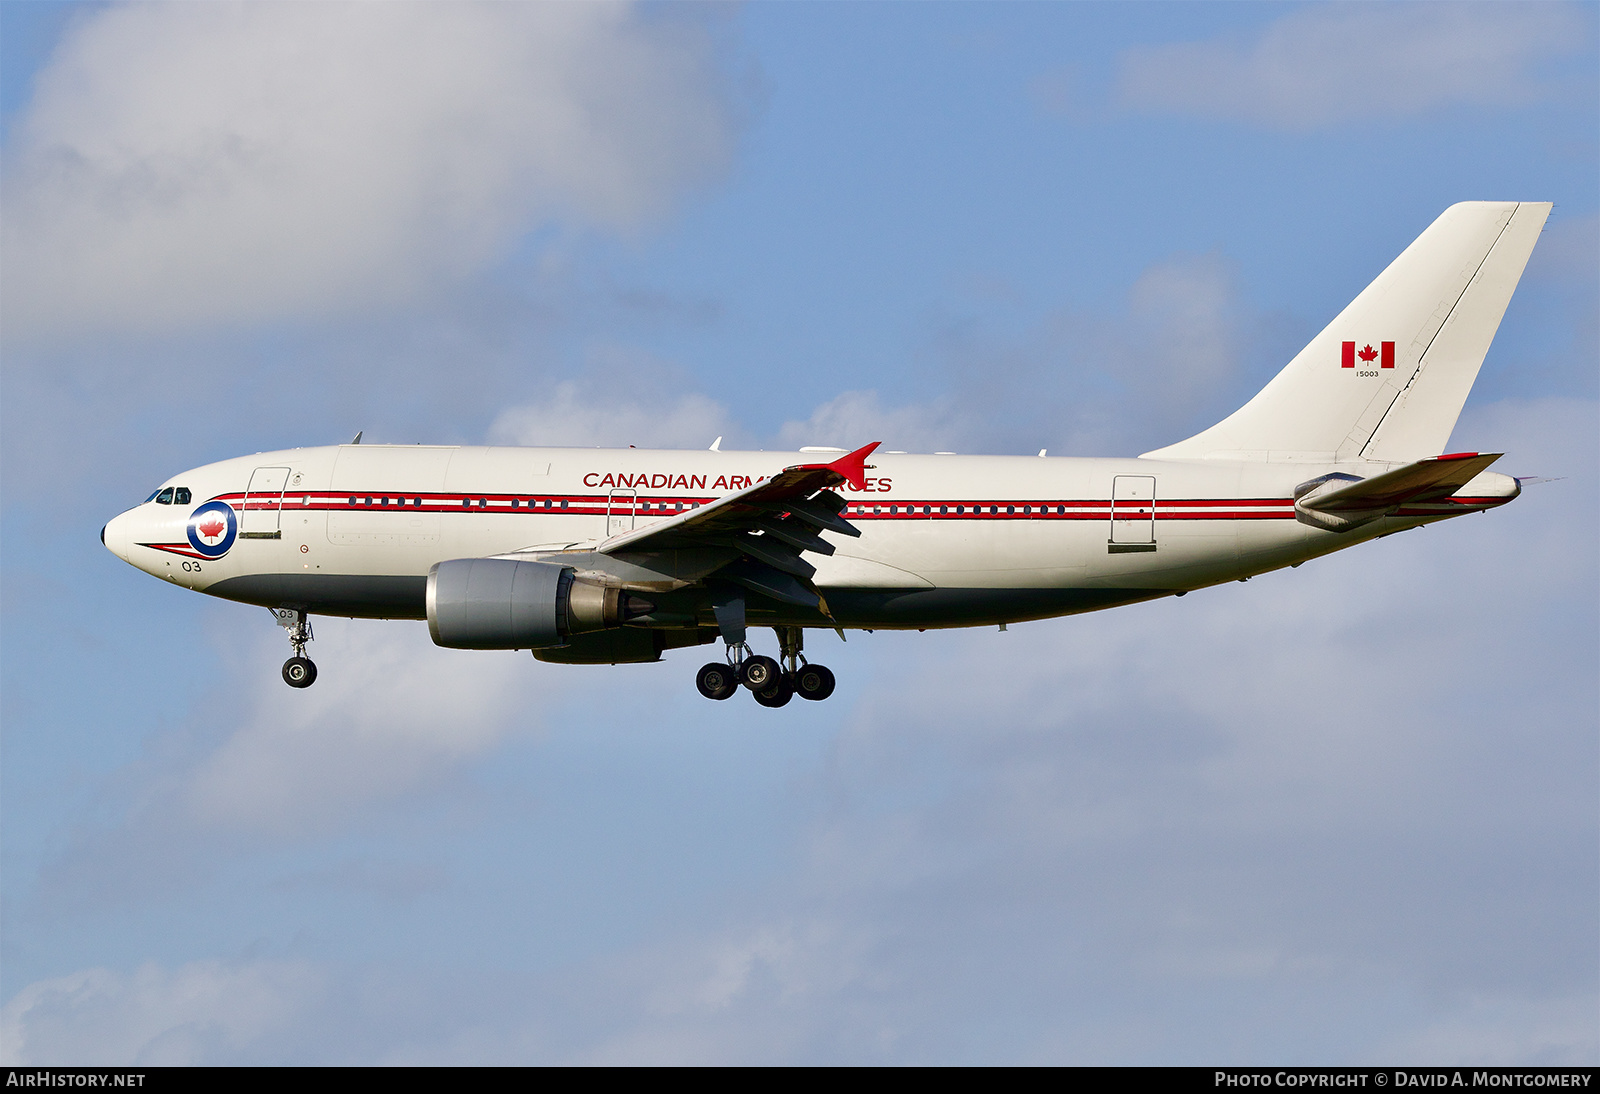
507 604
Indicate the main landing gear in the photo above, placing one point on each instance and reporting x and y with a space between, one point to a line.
299 671
772 683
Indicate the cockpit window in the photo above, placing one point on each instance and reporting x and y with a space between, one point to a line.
150 499
181 496
165 497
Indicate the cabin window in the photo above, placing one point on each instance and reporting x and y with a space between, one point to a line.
180 496
513 503
1061 509
416 503
164 497
483 503
352 501
563 503
465 502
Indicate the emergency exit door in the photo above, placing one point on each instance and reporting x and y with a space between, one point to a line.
620 506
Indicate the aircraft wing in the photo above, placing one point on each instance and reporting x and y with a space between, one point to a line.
770 523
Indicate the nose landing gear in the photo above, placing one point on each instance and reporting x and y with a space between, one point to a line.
299 671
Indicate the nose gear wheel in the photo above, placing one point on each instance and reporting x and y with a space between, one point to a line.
299 671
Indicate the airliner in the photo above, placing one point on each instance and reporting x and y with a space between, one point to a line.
612 556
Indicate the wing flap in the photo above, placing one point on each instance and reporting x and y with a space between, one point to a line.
772 583
777 555
817 514
795 535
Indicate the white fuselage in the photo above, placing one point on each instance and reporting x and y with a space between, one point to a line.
945 540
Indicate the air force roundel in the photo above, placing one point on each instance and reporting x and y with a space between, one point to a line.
213 528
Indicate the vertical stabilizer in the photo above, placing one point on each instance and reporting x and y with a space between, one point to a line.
1387 378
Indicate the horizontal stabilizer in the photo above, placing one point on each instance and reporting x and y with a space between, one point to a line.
1339 502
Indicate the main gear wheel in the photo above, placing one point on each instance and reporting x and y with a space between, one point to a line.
717 681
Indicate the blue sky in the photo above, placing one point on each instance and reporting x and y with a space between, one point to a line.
1342 814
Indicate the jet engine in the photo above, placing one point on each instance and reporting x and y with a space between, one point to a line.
506 604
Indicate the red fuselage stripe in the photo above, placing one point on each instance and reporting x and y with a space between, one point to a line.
656 506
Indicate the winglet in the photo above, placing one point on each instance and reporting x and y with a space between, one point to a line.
853 467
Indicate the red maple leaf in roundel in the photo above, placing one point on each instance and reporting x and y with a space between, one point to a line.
212 528
1368 354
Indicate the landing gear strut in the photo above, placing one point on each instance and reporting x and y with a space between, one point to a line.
299 671
805 679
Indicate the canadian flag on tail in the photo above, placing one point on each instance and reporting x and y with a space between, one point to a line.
1367 354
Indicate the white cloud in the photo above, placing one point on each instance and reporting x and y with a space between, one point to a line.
1328 65
1503 1032
1251 818
577 415
157 1017
653 414
390 713
1343 812
1075 383
853 418
196 164
1167 359
392 718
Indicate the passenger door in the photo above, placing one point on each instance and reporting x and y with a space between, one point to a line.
263 503
1133 513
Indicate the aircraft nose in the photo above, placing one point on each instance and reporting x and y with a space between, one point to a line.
117 536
